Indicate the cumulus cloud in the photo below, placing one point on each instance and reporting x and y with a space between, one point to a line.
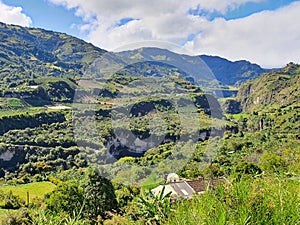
269 38
162 20
13 15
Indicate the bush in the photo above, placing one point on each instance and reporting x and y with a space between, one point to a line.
14 219
244 169
12 201
91 198
150 208
55 181
272 163
67 197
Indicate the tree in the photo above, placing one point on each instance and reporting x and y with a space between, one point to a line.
99 195
67 197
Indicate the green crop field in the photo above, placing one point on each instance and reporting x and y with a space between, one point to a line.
36 190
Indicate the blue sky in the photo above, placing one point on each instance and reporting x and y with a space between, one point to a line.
49 16
244 10
216 27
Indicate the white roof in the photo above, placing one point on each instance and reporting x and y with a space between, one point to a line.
172 175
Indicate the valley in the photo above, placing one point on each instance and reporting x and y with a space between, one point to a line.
89 133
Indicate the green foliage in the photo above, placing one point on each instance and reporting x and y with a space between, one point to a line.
12 201
67 197
41 217
154 209
213 170
16 218
125 194
243 169
273 89
15 103
23 121
271 162
89 198
36 52
250 201
99 195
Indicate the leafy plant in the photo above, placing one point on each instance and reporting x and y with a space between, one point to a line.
155 208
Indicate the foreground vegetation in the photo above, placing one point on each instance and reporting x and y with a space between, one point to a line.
260 200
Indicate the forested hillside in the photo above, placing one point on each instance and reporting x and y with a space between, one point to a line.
200 68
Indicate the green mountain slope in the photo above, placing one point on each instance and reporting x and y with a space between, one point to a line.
29 53
139 119
200 68
232 73
275 89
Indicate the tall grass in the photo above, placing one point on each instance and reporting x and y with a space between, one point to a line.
259 201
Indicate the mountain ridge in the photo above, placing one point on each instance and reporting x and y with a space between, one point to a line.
35 49
30 52
211 67
242 70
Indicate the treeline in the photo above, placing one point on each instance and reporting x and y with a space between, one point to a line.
47 90
34 163
47 135
22 121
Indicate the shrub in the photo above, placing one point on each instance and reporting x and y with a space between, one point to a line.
67 197
153 209
14 219
272 163
55 181
12 201
244 169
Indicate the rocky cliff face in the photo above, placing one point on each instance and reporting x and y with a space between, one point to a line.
11 156
279 88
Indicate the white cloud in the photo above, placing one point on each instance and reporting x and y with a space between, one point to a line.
13 15
269 38
162 20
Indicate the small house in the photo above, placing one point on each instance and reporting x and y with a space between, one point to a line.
185 188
